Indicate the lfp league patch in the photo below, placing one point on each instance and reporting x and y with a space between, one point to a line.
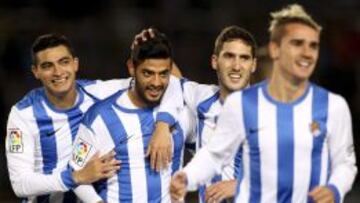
81 151
16 140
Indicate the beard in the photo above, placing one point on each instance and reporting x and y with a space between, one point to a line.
140 90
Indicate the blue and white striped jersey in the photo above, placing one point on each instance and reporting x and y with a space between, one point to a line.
204 101
116 124
288 148
40 136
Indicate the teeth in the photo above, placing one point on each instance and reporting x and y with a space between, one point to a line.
304 63
235 76
59 80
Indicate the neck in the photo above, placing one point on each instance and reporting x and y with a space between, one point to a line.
136 99
223 94
63 101
285 89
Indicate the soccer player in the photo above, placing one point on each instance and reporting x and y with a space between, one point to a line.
124 123
295 136
233 60
42 127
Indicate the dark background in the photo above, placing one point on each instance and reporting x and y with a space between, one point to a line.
102 31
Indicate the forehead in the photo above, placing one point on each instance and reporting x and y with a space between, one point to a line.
236 46
155 65
53 53
301 31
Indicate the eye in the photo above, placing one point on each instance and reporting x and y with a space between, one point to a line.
296 42
314 46
228 55
46 65
245 57
65 62
147 73
164 74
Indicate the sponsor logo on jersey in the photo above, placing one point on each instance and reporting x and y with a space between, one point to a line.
16 142
81 151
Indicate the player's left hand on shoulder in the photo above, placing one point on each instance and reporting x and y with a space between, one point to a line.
220 191
322 194
160 147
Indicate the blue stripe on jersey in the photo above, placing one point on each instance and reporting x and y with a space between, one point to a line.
250 115
319 120
47 138
285 152
119 137
178 140
152 177
238 167
84 83
75 116
202 109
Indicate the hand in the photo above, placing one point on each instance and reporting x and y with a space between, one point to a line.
97 168
220 191
178 186
144 35
160 147
322 194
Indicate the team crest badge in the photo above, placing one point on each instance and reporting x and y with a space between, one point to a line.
315 128
16 142
81 151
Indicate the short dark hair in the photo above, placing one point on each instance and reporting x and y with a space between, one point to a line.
156 47
234 33
49 41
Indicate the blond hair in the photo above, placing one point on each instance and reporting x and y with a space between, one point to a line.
293 13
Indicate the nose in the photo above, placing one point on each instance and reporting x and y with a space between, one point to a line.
307 51
237 66
156 81
57 70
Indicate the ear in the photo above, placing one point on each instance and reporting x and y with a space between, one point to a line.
274 50
76 63
131 68
214 61
34 71
254 65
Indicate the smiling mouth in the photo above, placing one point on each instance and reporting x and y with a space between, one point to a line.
59 81
304 64
235 76
154 93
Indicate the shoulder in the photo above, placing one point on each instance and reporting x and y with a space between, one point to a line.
31 98
102 89
100 107
336 102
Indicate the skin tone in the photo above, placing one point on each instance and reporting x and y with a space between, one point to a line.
56 69
294 60
151 79
234 65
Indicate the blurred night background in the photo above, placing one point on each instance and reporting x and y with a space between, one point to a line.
102 32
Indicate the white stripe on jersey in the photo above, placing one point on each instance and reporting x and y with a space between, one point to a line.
267 133
286 145
47 138
109 125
